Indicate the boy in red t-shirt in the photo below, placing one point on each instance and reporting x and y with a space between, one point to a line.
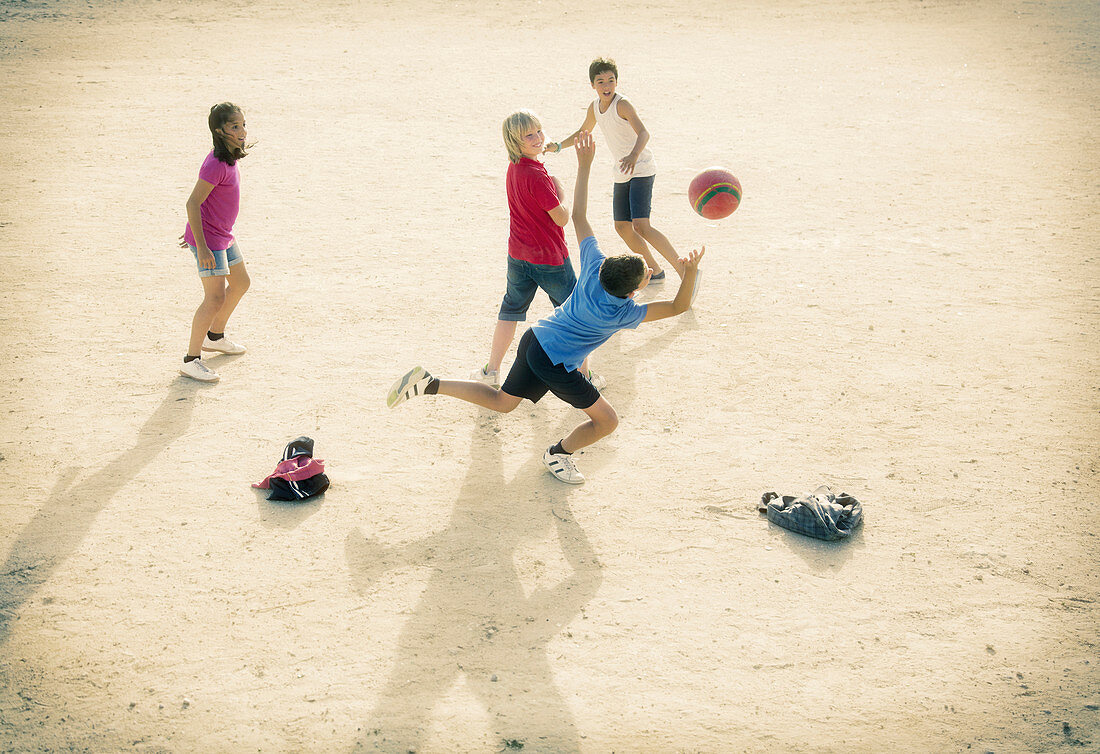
537 254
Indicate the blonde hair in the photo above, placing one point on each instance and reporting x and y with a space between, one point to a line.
515 126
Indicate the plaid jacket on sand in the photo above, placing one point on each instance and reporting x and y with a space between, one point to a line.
821 514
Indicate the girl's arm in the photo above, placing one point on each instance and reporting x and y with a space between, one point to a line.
194 219
630 115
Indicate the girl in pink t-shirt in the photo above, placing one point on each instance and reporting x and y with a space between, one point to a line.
211 211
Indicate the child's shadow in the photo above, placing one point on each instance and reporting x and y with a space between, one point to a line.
474 622
60 525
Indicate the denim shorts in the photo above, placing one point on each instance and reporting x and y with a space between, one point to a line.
525 278
633 199
532 375
223 260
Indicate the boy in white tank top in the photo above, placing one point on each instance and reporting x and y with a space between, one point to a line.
635 168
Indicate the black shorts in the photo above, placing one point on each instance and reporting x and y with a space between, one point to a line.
532 375
632 199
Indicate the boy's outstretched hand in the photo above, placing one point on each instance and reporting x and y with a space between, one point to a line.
691 261
585 146
685 296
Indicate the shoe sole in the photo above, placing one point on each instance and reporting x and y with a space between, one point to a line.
397 392
560 479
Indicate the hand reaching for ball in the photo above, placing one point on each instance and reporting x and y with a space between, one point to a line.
691 261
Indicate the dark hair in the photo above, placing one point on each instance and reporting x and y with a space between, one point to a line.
621 275
219 116
602 65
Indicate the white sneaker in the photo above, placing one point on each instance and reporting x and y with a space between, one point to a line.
562 467
489 377
197 370
221 345
597 380
413 383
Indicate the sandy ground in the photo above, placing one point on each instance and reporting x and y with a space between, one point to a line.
905 307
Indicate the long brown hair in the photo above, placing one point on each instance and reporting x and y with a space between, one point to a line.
219 116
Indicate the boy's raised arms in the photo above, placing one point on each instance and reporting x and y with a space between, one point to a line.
682 302
586 149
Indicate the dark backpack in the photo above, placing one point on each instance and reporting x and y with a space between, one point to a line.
298 474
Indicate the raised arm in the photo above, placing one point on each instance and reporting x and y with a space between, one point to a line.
588 125
586 149
682 302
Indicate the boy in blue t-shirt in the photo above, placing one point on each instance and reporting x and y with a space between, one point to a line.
551 351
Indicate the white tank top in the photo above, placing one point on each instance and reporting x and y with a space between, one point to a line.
620 138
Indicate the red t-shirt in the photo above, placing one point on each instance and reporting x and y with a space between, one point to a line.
534 236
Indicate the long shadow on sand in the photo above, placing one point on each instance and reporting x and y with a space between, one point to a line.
474 622
64 519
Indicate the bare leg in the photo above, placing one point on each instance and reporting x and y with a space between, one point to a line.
479 394
502 338
636 244
237 283
212 301
602 421
657 240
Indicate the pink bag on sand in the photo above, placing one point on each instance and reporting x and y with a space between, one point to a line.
298 475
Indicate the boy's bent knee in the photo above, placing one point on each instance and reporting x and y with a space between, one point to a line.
610 424
603 417
506 402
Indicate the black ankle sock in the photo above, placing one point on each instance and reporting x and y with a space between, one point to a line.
558 450
432 388
215 335
187 359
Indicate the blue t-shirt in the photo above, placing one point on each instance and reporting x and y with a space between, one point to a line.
588 317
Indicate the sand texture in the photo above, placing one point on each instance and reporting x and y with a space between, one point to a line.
905 307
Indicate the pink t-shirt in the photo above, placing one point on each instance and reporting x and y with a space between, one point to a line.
219 210
534 236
